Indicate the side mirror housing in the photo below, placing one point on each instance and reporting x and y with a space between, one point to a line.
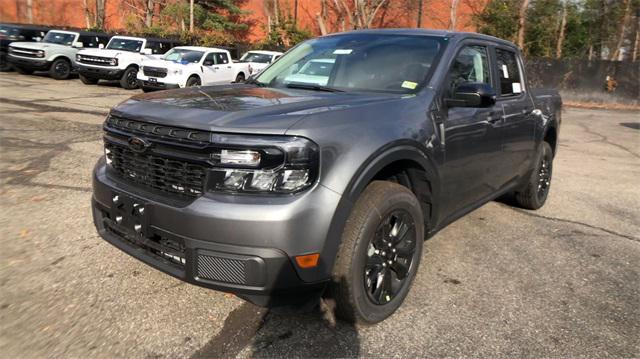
208 63
101 46
146 51
473 94
77 44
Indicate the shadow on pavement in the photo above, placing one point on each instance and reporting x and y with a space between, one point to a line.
281 332
632 125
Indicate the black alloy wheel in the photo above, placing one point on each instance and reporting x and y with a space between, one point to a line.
60 69
535 191
129 79
544 176
389 257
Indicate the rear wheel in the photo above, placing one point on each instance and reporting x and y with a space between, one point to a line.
60 69
536 190
88 80
129 79
240 78
379 254
4 64
193 81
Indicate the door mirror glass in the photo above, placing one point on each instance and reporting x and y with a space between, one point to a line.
472 94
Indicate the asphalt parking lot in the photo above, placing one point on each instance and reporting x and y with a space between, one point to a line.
502 282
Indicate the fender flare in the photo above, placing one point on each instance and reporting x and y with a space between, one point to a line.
388 154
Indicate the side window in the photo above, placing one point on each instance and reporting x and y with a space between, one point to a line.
275 58
508 72
470 65
88 41
221 58
153 45
209 58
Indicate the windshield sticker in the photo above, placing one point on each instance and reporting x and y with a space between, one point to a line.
342 51
409 85
505 72
516 88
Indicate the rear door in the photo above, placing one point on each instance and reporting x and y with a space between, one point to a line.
518 123
472 136
209 73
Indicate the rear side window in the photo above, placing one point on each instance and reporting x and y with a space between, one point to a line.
158 47
89 41
470 65
221 58
509 73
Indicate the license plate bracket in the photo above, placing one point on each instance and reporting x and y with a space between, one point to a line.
130 214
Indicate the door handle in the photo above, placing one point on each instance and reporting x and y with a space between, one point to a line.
217 67
228 67
494 117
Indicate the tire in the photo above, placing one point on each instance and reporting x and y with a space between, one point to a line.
129 80
88 80
23 71
193 81
536 190
240 78
366 252
60 69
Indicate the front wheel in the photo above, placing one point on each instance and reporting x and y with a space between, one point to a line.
537 187
129 79
379 254
193 81
60 69
240 78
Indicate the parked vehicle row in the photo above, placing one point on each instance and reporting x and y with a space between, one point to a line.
135 62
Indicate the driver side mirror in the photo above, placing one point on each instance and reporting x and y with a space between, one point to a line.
146 51
208 63
101 46
77 44
472 94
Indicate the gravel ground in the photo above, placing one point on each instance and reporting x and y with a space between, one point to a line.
563 281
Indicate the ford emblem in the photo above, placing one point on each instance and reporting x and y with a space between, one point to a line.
137 144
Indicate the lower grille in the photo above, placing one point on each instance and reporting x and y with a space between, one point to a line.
159 173
222 269
154 71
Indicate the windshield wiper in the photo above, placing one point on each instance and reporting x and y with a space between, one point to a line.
313 87
253 81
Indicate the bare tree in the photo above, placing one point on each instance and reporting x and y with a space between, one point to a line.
453 17
190 15
420 6
522 22
30 11
144 10
563 25
100 13
621 30
87 13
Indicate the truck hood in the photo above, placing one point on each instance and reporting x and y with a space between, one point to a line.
38 45
106 52
239 108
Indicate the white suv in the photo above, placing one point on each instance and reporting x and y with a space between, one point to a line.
187 66
120 60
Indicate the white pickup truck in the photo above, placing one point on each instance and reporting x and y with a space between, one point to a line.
258 60
187 66
120 60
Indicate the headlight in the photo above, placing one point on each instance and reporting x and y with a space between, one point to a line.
40 53
113 62
264 165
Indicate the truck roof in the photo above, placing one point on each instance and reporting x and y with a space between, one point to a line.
83 33
458 35
264 52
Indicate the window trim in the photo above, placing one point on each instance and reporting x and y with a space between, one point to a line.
522 94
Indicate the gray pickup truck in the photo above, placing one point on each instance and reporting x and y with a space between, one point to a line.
327 180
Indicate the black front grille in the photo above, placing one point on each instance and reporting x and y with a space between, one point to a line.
160 131
94 60
222 269
20 51
159 173
154 71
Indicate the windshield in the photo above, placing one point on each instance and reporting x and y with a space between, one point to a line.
9 31
183 56
256 57
357 62
61 38
118 43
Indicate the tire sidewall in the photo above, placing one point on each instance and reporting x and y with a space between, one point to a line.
368 311
545 150
54 73
123 81
191 80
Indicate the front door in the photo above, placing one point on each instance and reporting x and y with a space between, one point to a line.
472 138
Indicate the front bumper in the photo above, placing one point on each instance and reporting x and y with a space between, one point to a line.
29 63
100 73
237 244
156 85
